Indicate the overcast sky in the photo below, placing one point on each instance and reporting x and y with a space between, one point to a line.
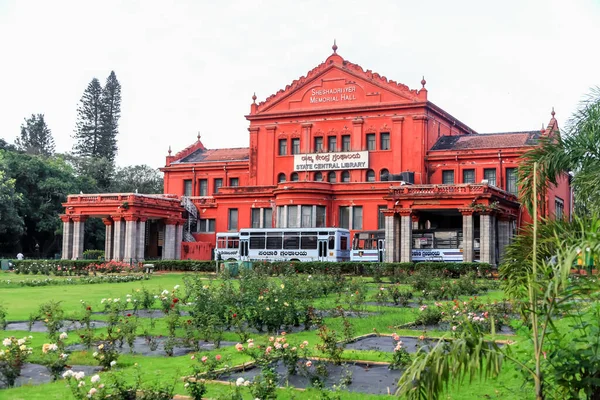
189 66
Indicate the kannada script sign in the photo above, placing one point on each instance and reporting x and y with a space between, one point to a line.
329 161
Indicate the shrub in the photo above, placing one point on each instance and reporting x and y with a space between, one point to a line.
93 254
12 358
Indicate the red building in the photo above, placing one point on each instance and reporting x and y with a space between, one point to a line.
345 147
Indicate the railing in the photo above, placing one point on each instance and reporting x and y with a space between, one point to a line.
189 206
188 237
429 190
164 199
203 201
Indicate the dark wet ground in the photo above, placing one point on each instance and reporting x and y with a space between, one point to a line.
374 379
387 344
36 374
39 326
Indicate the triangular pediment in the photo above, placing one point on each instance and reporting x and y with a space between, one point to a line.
338 83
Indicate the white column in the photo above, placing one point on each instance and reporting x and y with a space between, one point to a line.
391 237
67 244
130 239
118 238
485 241
405 237
178 241
168 251
78 230
283 223
299 216
467 230
350 217
141 239
108 239
261 216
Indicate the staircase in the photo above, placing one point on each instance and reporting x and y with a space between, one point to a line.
192 220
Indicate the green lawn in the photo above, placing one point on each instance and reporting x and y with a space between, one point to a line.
22 301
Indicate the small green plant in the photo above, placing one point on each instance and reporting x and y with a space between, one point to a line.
54 356
15 354
330 344
400 357
2 317
107 355
52 314
265 385
428 315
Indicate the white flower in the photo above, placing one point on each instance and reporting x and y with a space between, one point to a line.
102 301
95 378
113 363
92 392
53 347
6 342
67 374
239 382
64 356
176 287
95 354
165 292
116 300
20 342
79 375
156 297
63 336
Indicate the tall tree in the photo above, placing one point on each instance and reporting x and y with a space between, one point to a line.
88 133
36 138
137 178
110 114
11 223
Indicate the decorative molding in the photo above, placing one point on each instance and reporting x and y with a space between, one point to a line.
385 128
371 129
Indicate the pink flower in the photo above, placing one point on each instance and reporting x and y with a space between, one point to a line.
239 347
218 357
309 364
204 359
268 350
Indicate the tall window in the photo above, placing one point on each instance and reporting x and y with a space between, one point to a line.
332 177
294 177
382 173
371 142
203 187
205 225
385 141
295 146
381 217
345 217
218 184
255 217
332 144
234 182
511 181
448 177
292 220
187 187
468 176
319 176
357 217
232 220
370 175
346 176
490 175
267 218
318 144
281 178
321 217
559 208
306 217
283 147
346 143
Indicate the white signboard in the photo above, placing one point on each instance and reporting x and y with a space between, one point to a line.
329 161
447 255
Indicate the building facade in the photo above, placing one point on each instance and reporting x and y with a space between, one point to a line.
347 147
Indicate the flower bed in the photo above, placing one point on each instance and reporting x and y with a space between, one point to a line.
83 280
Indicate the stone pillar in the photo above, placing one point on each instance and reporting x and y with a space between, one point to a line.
118 237
129 251
415 220
405 235
178 240
67 244
357 141
391 235
78 233
468 233
108 238
504 233
168 251
487 243
141 240
396 140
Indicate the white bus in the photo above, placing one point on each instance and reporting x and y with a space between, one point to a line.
285 244
427 245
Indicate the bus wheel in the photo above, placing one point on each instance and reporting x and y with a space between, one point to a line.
231 259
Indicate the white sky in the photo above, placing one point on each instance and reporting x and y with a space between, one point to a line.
189 66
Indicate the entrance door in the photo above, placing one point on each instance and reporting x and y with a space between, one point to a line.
381 250
244 250
322 250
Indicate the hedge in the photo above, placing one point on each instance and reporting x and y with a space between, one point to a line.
76 267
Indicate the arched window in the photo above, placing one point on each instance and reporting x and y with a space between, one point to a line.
370 175
294 177
382 173
318 176
331 177
281 178
346 176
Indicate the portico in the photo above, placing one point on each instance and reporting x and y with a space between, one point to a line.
127 218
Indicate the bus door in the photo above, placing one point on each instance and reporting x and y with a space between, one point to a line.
244 249
322 249
381 250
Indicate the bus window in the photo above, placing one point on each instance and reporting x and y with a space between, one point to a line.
291 241
257 242
233 243
308 242
222 243
331 242
274 242
343 243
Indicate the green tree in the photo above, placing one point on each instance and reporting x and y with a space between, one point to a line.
11 223
88 132
36 138
138 179
110 114
4 145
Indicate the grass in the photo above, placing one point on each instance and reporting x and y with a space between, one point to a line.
20 302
